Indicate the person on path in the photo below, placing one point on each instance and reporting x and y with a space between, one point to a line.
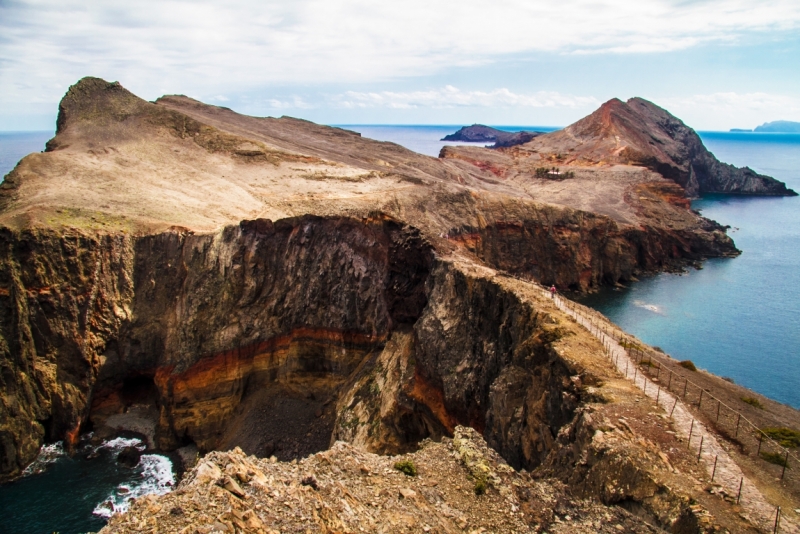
552 291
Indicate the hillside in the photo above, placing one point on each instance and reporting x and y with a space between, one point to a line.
281 286
639 133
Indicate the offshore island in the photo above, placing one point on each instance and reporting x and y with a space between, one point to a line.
294 301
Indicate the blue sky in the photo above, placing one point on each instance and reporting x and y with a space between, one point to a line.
717 64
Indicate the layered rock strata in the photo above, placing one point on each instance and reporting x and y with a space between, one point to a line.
230 274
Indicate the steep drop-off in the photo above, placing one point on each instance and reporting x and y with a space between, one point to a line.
185 258
206 266
638 132
203 319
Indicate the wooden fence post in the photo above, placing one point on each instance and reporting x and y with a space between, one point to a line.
785 463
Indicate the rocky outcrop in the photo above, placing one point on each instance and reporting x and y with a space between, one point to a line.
479 356
61 298
478 133
638 132
228 273
345 489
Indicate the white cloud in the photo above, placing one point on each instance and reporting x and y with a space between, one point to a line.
199 46
295 102
450 96
724 110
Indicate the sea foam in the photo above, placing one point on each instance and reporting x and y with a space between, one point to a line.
152 475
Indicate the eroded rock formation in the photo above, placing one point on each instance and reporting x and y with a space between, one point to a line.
638 132
478 133
278 285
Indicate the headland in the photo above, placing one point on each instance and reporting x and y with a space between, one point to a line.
206 267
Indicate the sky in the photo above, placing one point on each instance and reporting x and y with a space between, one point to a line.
716 64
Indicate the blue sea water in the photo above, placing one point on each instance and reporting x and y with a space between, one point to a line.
15 145
72 493
425 139
736 317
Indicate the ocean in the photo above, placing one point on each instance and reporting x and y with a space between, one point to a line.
76 493
736 317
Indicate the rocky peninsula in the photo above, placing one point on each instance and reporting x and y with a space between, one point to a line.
226 273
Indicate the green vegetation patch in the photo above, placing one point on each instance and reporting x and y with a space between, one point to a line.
774 458
688 364
406 467
625 344
553 173
480 485
752 401
787 437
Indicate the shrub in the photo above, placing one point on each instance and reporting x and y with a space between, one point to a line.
728 379
625 344
480 486
774 458
783 435
752 401
688 364
406 467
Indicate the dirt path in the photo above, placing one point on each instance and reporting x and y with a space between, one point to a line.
726 473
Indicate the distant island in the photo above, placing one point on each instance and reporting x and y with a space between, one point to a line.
479 133
779 127
772 127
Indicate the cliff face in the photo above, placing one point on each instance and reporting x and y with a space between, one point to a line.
202 319
214 267
478 133
638 132
61 298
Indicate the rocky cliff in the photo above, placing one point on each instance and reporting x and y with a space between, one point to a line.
478 133
277 285
638 132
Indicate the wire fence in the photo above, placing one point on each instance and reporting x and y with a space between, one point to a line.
729 422
660 373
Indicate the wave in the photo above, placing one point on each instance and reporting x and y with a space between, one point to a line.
48 454
155 476
650 307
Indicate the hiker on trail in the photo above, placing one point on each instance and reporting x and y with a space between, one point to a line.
552 292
